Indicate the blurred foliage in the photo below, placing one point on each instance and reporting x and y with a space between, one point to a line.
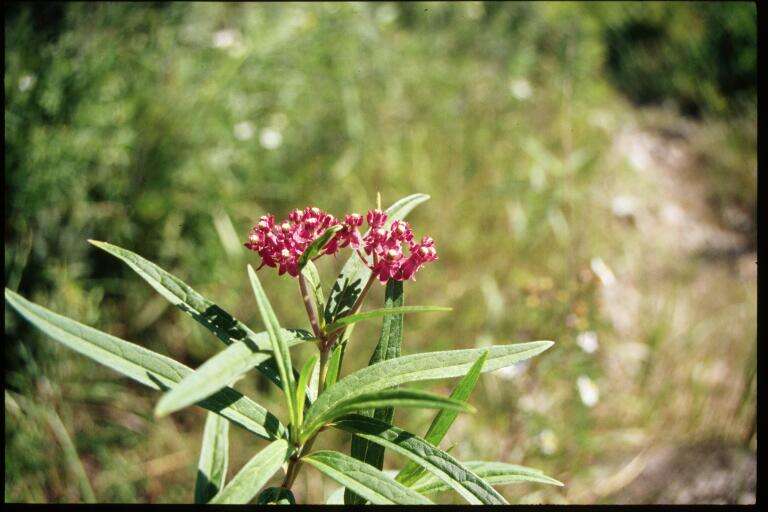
169 128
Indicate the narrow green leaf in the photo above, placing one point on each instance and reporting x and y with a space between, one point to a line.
252 477
388 398
301 388
227 328
495 473
333 366
214 456
411 472
388 347
276 496
375 313
416 367
470 486
142 365
364 479
355 274
312 276
223 368
318 245
279 345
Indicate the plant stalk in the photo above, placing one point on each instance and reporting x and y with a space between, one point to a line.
309 305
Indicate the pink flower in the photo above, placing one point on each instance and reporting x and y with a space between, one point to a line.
281 245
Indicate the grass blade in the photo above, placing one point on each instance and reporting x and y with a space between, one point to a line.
214 457
375 313
495 473
425 366
411 472
252 477
223 368
365 480
388 347
142 365
386 399
470 486
279 344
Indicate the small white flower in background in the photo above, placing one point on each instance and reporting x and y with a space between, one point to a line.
474 10
510 372
26 82
270 138
244 130
547 442
521 88
587 341
588 391
624 206
224 38
602 271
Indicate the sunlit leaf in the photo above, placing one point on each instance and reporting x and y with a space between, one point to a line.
495 473
142 365
470 486
364 479
252 477
214 456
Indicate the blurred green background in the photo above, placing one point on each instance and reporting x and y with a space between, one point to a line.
593 175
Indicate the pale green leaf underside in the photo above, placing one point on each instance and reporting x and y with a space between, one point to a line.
375 313
470 486
252 477
355 274
147 367
223 368
364 479
495 473
408 398
214 456
312 276
425 366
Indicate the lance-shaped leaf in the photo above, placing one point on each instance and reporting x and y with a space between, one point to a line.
223 368
301 388
364 479
276 496
411 472
425 366
214 456
355 274
252 477
388 347
333 366
470 486
142 365
408 398
495 473
227 328
279 345
318 245
376 313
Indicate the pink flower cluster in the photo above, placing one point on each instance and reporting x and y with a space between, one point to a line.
281 245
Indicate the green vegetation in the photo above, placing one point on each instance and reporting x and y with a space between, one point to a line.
170 128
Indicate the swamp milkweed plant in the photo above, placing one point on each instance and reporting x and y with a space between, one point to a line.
317 397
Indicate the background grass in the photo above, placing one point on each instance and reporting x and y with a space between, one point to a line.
170 128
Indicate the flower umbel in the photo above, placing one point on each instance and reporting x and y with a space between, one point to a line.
281 245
